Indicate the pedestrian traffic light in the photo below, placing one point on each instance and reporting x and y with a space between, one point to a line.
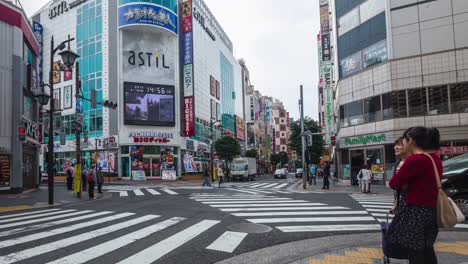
22 133
93 99
333 140
110 104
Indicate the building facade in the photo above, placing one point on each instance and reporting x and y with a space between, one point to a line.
399 65
19 109
281 128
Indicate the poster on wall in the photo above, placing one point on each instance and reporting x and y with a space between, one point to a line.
57 99
240 128
189 117
106 161
378 171
149 104
213 109
67 73
375 54
188 163
212 86
351 64
326 50
5 171
56 72
218 95
136 161
67 97
324 21
169 175
218 111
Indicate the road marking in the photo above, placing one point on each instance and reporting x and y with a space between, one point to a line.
109 246
240 199
31 252
34 216
375 206
168 191
257 190
28 213
155 252
255 202
325 228
303 213
244 191
59 222
310 219
36 236
377 210
153 192
269 185
461 226
280 186
377 214
263 205
284 208
258 185
6 209
376 203
138 192
121 193
42 219
286 192
228 241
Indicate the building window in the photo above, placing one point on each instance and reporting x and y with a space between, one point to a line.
283 141
276 120
282 128
372 109
355 114
459 98
438 100
283 134
277 134
284 148
343 119
417 102
370 9
348 21
394 105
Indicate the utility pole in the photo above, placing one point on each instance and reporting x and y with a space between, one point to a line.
301 107
50 144
78 125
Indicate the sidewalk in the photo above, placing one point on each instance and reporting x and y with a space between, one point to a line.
350 249
36 198
336 187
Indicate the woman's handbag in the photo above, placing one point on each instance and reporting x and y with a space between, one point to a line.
448 213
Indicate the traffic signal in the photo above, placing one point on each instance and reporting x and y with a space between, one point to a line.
309 140
22 133
93 99
110 104
333 140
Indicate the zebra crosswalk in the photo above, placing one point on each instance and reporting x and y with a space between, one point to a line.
262 187
288 214
126 191
379 207
115 231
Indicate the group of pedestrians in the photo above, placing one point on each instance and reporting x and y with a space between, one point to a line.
320 171
89 179
221 172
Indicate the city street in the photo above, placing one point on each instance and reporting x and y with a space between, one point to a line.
186 224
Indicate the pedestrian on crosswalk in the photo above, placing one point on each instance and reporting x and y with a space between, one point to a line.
91 178
84 175
220 176
326 176
206 174
100 179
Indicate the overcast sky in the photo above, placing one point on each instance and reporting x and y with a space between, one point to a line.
277 39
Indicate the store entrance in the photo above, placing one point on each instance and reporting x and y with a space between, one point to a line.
152 166
357 161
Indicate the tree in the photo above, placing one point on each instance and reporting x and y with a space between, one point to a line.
251 153
312 153
227 148
283 158
279 158
275 159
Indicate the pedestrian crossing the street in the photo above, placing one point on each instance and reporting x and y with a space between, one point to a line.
126 191
36 236
378 207
288 214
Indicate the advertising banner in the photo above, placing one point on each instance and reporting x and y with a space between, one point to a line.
67 97
188 80
148 14
212 86
326 49
67 74
218 90
38 33
106 161
56 72
324 22
319 48
189 117
240 128
351 64
5 170
188 48
375 53
149 104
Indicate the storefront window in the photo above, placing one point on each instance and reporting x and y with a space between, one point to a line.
348 21
355 114
438 100
417 102
124 150
372 109
152 150
394 105
459 98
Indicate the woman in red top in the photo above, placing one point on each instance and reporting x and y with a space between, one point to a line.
415 226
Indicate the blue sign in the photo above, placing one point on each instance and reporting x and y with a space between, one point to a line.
38 33
188 48
79 105
148 14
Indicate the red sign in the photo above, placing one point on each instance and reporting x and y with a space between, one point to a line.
67 74
189 117
455 150
150 140
187 24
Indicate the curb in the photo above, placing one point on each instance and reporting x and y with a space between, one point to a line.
304 249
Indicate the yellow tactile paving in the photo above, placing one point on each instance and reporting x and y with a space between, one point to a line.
368 255
4 209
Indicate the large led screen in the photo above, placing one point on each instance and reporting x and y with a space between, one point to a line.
149 104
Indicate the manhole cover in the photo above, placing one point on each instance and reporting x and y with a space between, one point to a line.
249 228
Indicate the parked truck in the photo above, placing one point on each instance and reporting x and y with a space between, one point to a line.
244 169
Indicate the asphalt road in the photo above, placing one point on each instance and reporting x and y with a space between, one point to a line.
183 224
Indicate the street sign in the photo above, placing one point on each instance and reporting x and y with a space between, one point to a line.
80 118
79 105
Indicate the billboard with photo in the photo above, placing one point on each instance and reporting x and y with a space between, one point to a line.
149 104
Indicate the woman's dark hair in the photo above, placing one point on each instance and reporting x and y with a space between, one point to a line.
399 141
424 137
365 166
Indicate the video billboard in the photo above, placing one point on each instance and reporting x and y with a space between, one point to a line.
149 104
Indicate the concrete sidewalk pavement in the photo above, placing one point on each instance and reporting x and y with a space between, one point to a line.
336 187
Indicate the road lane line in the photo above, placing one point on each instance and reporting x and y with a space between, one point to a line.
269 185
27 222
280 186
377 210
109 246
310 219
284 208
138 192
264 205
257 190
385 215
326 228
259 184
376 203
35 216
255 202
244 191
228 241
38 250
153 192
461 226
303 213
285 192
28 213
168 191
59 222
376 206
155 252
242 199
36 236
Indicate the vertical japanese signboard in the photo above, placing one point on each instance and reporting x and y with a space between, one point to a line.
187 48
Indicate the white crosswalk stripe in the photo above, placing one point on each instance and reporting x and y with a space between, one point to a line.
32 216
261 187
114 231
137 191
290 215
19 223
